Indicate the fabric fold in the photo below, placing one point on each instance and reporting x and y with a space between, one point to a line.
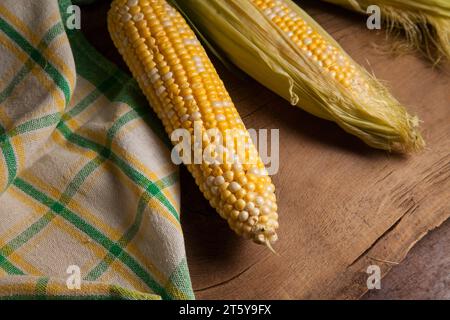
86 180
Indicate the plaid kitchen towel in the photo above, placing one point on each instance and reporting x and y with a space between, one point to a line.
89 198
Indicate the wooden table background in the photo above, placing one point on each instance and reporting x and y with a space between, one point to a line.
325 170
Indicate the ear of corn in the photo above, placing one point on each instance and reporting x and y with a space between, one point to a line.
279 45
185 91
425 23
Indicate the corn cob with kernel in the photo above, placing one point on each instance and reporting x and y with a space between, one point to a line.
184 89
279 45
425 23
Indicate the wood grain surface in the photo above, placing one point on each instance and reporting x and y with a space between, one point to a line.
343 206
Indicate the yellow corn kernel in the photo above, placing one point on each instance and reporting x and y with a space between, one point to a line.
184 89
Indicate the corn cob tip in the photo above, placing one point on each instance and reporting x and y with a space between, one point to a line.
408 139
418 143
246 200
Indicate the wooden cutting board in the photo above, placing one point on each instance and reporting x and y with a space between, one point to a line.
343 206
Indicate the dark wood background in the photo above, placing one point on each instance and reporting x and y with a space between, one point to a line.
319 186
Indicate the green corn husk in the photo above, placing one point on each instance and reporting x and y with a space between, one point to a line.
254 43
425 23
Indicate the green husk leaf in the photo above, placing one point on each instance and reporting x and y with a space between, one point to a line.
252 42
425 24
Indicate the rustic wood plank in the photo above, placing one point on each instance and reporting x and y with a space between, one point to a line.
343 206
424 272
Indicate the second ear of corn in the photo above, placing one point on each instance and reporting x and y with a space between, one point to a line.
279 45
185 91
425 23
